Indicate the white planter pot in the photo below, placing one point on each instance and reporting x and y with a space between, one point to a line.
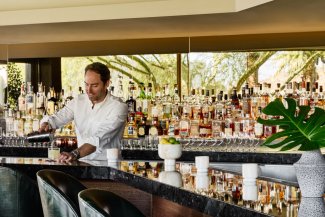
311 207
310 172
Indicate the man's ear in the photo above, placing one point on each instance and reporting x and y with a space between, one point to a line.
107 83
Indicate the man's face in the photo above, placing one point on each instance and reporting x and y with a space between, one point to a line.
95 88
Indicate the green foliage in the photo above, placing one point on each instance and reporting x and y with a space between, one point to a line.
14 83
298 130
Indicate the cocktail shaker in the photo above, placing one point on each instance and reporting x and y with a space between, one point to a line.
40 137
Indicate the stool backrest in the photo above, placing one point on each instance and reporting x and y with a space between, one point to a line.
100 203
59 193
19 195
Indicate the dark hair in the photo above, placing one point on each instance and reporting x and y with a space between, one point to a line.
100 69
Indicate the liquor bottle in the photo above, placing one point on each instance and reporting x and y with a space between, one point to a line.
258 127
219 107
196 106
80 90
265 97
9 117
28 125
246 101
131 103
255 101
120 90
30 99
22 98
321 100
51 102
37 119
61 99
69 96
40 97
132 128
155 129
141 97
184 123
229 124
234 99
147 101
205 127
142 127
173 128
176 98
19 124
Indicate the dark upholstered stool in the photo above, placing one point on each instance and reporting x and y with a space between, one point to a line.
99 203
19 195
59 193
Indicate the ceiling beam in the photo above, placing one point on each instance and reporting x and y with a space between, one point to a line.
252 42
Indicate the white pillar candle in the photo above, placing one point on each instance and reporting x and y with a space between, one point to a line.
202 181
250 170
202 163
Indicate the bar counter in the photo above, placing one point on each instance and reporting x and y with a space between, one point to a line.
223 196
137 154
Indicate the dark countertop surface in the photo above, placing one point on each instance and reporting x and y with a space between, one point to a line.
234 157
217 193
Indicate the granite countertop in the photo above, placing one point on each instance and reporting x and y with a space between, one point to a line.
216 193
235 157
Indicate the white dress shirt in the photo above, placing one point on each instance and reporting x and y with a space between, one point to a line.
101 125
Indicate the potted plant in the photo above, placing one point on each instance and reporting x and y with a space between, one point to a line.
303 131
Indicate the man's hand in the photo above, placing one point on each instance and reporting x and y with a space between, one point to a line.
84 150
66 157
45 127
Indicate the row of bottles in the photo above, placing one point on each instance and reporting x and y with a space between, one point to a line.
26 117
205 114
29 102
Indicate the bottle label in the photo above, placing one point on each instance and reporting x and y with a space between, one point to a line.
141 131
258 129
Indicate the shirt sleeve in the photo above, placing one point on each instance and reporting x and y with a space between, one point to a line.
110 128
62 117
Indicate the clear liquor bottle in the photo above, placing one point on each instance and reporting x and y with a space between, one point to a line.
258 127
147 103
141 96
205 127
246 108
184 123
176 98
40 97
173 128
229 124
30 99
22 98
19 124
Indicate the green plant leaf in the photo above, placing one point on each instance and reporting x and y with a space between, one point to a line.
298 129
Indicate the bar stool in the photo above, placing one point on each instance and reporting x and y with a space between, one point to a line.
100 203
59 193
19 195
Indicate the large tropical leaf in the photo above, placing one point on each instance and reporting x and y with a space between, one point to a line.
298 130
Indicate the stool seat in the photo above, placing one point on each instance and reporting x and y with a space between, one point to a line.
100 203
59 193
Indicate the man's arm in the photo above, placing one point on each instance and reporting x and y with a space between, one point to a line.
59 119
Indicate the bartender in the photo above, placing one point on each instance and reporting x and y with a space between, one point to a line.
98 116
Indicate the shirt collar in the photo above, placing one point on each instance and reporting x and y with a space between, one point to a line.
98 105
